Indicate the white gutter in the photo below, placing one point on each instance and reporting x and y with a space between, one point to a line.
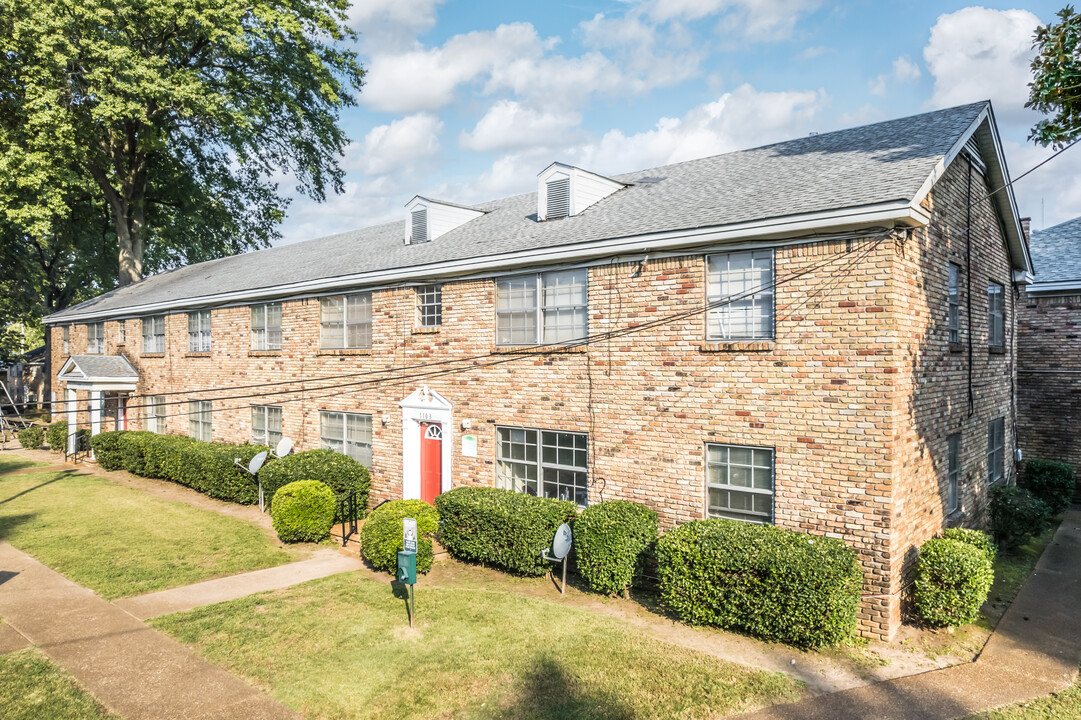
1060 287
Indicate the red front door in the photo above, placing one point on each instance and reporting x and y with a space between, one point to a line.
431 461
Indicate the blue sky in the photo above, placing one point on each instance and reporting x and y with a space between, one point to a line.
468 101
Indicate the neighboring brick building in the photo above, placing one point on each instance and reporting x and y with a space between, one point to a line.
1049 354
817 333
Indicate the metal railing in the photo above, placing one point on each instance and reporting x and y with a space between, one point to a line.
73 448
347 516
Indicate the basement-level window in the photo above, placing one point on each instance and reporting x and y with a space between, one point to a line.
266 425
200 420
347 433
996 450
429 306
266 326
953 472
542 309
154 334
543 462
996 315
154 414
199 331
95 338
739 482
954 302
740 295
345 322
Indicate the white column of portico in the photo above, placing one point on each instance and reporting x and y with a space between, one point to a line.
96 407
72 419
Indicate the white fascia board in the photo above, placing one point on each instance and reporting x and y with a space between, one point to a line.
1060 287
897 213
99 384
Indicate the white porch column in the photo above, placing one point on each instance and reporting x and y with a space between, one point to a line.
72 419
96 406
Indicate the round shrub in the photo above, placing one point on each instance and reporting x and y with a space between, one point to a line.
106 447
31 438
976 538
303 511
776 584
57 436
1016 515
952 582
1051 481
339 472
610 539
381 534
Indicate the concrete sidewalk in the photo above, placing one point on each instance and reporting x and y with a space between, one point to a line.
1035 650
135 671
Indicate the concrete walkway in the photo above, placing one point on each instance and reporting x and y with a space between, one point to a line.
1034 651
209 592
135 671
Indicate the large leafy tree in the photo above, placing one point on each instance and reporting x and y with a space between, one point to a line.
176 116
1055 89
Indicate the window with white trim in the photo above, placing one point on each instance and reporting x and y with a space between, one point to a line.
953 472
65 335
95 338
154 334
739 482
429 306
954 303
154 414
996 450
266 425
545 308
740 295
550 463
996 316
266 326
345 322
121 332
347 433
200 420
199 331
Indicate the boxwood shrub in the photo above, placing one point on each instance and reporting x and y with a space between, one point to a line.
57 436
303 511
339 472
31 438
1051 481
976 538
952 581
610 542
776 584
381 534
1016 515
106 447
502 528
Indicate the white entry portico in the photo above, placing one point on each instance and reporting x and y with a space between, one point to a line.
428 407
96 374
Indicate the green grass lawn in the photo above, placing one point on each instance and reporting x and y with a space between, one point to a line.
11 463
119 541
33 688
341 648
1065 705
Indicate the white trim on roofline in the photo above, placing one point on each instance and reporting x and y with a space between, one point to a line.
1058 287
898 212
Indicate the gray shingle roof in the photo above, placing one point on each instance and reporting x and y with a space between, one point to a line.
883 162
105 366
1056 252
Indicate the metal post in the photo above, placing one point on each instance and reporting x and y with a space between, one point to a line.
410 606
563 589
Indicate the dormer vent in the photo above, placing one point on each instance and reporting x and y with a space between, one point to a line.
565 190
559 199
428 219
419 231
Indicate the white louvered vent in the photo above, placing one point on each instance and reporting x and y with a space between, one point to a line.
559 199
419 233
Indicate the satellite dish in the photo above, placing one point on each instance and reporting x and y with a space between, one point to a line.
285 446
562 544
257 462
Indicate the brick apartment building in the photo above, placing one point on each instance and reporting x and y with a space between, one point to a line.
817 333
1049 351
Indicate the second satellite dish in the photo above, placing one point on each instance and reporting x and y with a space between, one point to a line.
285 446
562 543
257 462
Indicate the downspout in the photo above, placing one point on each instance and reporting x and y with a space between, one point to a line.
968 282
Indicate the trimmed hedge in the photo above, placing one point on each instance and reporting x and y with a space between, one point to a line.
501 527
106 447
303 511
1051 481
57 436
952 581
610 541
31 438
1016 515
381 534
776 584
340 473
976 538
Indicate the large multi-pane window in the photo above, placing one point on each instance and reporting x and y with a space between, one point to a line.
154 334
739 482
345 322
200 420
954 300
154 414
429 306
347 433
199 331
266 425
953 472
65 335
543 462
266 326
95 338
740 295
996 450
996 316
541 309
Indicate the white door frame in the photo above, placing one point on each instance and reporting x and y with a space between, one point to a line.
428 406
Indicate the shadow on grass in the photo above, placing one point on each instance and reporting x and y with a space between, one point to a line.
549 692
59 477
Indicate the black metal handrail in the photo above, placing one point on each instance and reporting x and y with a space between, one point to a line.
347 516
72 450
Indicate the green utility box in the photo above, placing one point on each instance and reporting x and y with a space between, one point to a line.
407 567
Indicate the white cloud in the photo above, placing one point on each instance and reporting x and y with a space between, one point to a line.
509 125
814 51
755 19
646 55
391 23
904 71
402 143
976 53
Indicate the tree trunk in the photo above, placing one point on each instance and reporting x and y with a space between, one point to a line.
127 208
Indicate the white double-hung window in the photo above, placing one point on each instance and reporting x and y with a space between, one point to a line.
996 450
199 331
545 308
266 326
200 420
266 425
345 322
739 482
95 338
154 334
347 433
549 463
996 314
154 414
740 295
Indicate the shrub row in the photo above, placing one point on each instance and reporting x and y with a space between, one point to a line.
501 528
31 438
953 576
381 534
1016 515
106 446
303 511
57 437
341 473
610 543
1051 481
777 584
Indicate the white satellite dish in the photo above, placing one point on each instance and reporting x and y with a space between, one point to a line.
257 462
562 543
285 446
